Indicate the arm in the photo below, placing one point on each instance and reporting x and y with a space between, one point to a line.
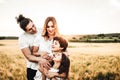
30 57
55 74
35 51
27 53
40 53
51 74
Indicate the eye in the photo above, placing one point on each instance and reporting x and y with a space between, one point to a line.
50 26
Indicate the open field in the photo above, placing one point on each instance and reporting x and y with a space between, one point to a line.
89 61
95 48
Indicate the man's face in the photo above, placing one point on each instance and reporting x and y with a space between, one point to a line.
30 28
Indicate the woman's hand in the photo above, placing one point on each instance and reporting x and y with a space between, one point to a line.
51 74
44 63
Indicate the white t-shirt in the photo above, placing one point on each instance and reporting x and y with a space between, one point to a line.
55 70
44 45
26 40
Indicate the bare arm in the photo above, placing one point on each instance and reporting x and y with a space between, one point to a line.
43 55
27 53
55 74
35 51
51 74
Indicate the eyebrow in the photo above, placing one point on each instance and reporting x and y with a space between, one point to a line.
31 27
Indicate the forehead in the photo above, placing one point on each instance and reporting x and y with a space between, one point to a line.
56 41
50 23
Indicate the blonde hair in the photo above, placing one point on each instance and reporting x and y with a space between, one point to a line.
44 32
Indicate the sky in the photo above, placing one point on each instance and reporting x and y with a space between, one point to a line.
73 16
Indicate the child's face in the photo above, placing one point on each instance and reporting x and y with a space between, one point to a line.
56 46
57 57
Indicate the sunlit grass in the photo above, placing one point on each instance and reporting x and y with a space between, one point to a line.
91 67
84 65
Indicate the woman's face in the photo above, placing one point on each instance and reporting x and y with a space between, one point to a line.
57 57
50 28
56 46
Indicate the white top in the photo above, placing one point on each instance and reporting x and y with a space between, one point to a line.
55 70
26 40
44 45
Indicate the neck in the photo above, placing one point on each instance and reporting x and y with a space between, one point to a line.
51 36
55 52
56 65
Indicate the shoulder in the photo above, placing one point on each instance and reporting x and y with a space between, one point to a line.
25 36
22 35
39 30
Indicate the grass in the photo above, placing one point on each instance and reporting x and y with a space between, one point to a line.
89 61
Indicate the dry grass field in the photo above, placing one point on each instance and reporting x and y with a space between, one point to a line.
89 61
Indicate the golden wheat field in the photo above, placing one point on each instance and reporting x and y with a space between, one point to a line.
89 61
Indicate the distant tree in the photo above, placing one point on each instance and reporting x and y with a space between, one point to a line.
73 37
110 37
2 38
101 35
119 37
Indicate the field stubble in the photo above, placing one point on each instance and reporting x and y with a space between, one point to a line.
89 61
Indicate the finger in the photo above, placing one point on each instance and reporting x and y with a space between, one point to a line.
47 66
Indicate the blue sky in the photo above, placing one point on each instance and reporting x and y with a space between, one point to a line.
73 16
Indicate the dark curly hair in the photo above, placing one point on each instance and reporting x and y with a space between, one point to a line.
23 22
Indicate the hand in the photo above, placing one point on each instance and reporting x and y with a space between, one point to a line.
44 63
46 56
51 74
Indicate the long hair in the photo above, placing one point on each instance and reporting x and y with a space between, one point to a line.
44 32
65 64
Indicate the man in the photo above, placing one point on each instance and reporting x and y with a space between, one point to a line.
26 42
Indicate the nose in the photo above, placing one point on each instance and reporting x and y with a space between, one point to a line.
34 29
50 28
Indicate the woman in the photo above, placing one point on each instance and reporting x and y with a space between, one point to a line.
50 30
60 62
43 42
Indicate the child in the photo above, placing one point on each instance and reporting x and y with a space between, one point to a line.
60 62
